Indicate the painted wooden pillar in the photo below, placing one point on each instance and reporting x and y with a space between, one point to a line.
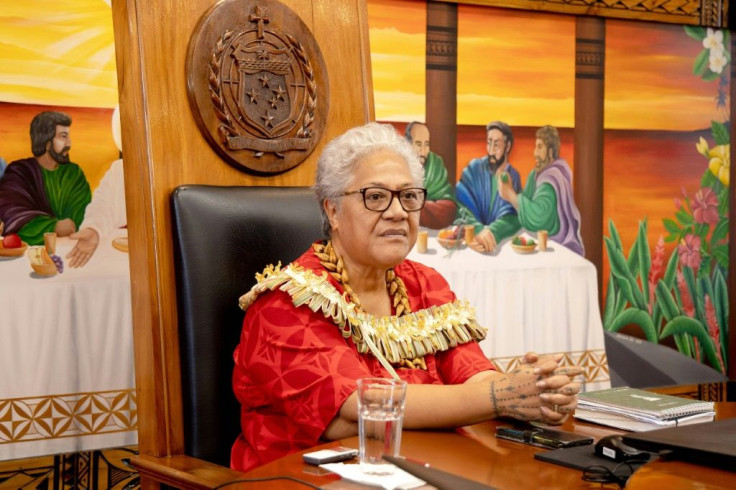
590 43
441 82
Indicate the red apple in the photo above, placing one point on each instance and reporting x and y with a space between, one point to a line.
12 241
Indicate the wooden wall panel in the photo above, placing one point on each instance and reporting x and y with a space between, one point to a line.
163 148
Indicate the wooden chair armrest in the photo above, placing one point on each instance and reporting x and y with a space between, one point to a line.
183 471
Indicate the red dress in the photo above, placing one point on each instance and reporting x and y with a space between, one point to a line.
294 369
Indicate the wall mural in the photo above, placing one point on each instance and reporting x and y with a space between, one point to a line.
678 292
64 273
666 137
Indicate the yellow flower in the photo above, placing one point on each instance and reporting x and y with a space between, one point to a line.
720 162
702 147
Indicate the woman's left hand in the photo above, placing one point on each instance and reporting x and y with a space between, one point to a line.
559 397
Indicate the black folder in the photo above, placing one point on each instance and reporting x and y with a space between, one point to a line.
710 443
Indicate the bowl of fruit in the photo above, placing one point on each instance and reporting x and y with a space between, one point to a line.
523 245
12 246
450 237
42 263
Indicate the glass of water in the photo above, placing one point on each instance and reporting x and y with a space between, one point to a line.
380 416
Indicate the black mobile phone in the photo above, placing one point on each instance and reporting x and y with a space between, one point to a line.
332 455
542 436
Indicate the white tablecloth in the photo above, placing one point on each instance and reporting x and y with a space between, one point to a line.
545 302
66 355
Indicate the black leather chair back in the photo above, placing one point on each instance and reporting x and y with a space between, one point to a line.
222 237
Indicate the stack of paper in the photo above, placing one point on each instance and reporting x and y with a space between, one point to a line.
638 410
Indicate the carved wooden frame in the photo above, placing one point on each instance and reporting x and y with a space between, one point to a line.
709 13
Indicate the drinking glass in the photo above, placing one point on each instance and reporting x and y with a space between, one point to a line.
380 416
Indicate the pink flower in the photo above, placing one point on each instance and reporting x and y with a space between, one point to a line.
684 191
656 272
714 331
689 250
705 206
687 304
678 203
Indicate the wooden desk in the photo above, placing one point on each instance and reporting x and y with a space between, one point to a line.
475 453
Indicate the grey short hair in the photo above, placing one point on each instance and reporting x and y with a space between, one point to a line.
336 165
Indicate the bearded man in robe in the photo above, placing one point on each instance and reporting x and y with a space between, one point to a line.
440 207
45 193
480 203
547 202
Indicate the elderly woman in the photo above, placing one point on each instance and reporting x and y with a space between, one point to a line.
353 307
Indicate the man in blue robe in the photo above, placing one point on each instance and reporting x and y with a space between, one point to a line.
479 203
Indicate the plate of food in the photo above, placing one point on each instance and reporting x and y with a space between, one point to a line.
450 238
523 245
12 246
121 243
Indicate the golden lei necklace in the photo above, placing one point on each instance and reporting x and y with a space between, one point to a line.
394 285
398 339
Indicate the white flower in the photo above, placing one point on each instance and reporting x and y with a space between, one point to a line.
713 40
717 61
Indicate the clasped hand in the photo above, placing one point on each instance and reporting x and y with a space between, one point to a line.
539 389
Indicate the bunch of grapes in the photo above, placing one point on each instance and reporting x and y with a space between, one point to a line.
58 262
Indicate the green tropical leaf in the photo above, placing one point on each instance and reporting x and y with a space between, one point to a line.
709 76
644 257
656 315
611 298
701 63
720 253
720 300
671 226
722 201
692 288
671 238
720 133
635 316
666 302
624 278
708 179
633 261
695 32
720 231
684 324
669 273
614 235
684 218
626 291
683 346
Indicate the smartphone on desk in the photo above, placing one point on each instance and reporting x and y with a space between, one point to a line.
542 436
332 455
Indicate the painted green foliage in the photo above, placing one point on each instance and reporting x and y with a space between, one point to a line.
686 297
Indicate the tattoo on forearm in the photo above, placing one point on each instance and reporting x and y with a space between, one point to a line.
493 398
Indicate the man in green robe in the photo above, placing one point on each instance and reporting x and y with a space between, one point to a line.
547 202
46 193
440 207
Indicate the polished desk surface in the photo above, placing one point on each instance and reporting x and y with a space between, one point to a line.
475 453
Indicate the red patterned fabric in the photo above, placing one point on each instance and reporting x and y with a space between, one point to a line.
294 370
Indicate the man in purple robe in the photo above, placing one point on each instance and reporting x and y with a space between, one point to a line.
45 193
547 202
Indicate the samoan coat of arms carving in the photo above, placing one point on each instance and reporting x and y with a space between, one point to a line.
257 85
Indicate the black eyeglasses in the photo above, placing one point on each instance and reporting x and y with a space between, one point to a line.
380 199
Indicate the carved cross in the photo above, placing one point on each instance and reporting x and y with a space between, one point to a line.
260 17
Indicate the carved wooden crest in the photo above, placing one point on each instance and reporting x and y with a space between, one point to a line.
257 85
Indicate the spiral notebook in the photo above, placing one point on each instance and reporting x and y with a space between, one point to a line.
639 410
